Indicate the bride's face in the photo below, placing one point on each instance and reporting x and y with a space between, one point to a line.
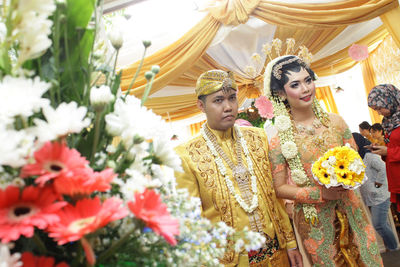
300 89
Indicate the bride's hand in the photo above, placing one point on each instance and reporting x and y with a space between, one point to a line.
333 193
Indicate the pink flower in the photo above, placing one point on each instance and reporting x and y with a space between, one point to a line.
84 181
358 52
265 108
242 122
85 217
54 160
30 260
149 208
20 211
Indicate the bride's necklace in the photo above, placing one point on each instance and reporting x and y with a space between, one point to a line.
309 129
239 171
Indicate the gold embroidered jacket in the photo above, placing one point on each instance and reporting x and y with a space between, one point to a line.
202 178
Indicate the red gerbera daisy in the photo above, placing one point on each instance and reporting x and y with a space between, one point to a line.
85 217
149 208
20 211
30 260
54 160
84 182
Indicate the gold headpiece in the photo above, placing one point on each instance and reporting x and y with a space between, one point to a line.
213 81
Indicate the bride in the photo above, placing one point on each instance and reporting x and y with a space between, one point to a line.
332 223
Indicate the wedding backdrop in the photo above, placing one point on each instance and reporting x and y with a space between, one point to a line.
190 37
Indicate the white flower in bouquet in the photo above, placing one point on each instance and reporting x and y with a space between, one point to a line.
166 155
15 147
65 119
116 38
43 8
21 96
282 123
33 37
357 166
136 182
101 96
7 259
130 118
289 150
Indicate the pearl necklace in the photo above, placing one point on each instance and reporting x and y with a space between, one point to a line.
212 144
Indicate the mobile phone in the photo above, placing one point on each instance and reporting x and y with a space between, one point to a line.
371 147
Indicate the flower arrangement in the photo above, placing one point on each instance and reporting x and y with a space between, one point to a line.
340 166
87 171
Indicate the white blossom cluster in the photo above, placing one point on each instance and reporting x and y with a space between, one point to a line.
32 27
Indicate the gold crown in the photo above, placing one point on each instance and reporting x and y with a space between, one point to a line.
274 49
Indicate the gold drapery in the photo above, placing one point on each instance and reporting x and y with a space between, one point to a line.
369 82
184 60
391 21
173 59
195 127
324 93
322 14
341 61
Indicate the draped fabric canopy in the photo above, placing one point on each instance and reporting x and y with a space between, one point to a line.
223 34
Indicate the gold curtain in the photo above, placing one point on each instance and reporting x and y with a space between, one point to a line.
184 60
369 82
391 20
173 59
341 61
322 14
231 12
324 93
195 127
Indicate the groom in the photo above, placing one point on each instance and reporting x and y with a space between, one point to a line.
227 167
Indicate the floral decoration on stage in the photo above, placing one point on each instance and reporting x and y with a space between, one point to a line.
340 166
87 171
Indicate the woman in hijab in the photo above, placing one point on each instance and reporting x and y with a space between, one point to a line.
375 191
385 99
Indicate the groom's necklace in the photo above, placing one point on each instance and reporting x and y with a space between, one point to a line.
239 171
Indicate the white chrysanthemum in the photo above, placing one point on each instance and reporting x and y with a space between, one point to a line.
66 119
21 96
15 147
42 8
357 166
289 150
101 96
166 154
282 123
7 259
299 176
165 175
32 33
130 119
136 183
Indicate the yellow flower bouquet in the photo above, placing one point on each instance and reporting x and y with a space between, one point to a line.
340 166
